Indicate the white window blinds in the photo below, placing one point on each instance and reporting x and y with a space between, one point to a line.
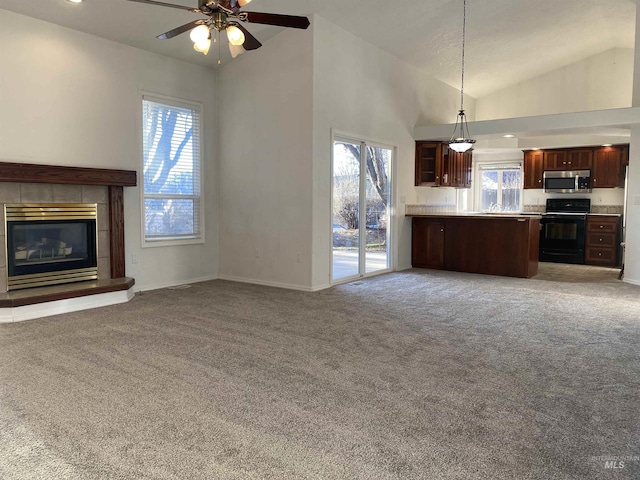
171 166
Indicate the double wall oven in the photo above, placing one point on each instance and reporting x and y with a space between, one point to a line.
563 227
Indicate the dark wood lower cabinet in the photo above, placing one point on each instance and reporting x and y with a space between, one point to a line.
603 240
477 244
427 244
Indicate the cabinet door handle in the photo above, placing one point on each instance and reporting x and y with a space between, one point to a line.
600 239
442 229
601 226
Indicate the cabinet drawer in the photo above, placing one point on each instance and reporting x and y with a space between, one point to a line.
600 256
599 240
602 225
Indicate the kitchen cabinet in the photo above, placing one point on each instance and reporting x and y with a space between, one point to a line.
428 163
555 159
458 169
488 244
438 165
533 169
427 243
605 163
602 243
568 159
608 169
579 159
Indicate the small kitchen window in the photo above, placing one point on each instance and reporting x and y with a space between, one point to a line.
499 187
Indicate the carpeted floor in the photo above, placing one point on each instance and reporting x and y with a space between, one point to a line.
419 374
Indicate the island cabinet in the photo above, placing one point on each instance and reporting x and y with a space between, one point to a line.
427 245
603 240
489 244
533 168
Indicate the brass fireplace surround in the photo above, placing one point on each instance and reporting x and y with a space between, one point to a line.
59 250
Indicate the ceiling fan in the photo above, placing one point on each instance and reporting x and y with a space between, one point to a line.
226 15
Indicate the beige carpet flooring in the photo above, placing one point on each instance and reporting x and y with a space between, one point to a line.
413 375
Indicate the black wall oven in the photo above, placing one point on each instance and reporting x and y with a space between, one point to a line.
563 227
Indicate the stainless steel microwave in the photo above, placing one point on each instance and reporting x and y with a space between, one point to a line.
575 181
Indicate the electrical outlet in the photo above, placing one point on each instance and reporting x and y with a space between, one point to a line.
134 258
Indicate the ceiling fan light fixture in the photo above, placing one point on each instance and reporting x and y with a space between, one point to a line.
202 46
242 3
235 35
200 34
236 50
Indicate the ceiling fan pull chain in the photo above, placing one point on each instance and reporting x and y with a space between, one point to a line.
218 42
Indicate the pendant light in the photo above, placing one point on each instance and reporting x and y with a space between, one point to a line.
461 140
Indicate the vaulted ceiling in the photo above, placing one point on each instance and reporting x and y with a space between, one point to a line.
507 40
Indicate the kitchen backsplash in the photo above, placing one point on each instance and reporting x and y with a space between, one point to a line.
427 209
610 209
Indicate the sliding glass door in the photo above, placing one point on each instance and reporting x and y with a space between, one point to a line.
361 207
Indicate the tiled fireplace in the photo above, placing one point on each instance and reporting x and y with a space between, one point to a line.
91 245
52 196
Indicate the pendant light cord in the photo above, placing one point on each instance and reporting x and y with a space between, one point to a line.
464 34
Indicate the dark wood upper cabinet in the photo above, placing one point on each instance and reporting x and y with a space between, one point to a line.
533 169
428 163
579 159
605 163
555 160
438 165
608 167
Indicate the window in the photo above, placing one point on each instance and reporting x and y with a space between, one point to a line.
171 166
500 187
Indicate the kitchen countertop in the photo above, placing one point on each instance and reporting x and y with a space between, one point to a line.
476 215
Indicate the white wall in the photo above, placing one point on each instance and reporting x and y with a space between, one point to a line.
363 91
68 98
632 234
265 157
600 82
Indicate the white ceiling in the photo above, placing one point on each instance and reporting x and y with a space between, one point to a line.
507 40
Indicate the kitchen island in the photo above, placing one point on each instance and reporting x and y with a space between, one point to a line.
493 244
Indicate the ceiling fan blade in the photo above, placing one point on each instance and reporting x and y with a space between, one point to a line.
290 21
250 42
177 31
163 4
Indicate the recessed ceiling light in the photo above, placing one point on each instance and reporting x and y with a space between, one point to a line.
508 135
535 149
607 144
74 1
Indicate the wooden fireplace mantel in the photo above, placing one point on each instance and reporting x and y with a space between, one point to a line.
115 180
30 173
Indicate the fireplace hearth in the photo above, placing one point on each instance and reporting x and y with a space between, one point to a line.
50 244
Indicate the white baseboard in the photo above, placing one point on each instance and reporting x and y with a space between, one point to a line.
158 286
631 281
39 310
265 283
